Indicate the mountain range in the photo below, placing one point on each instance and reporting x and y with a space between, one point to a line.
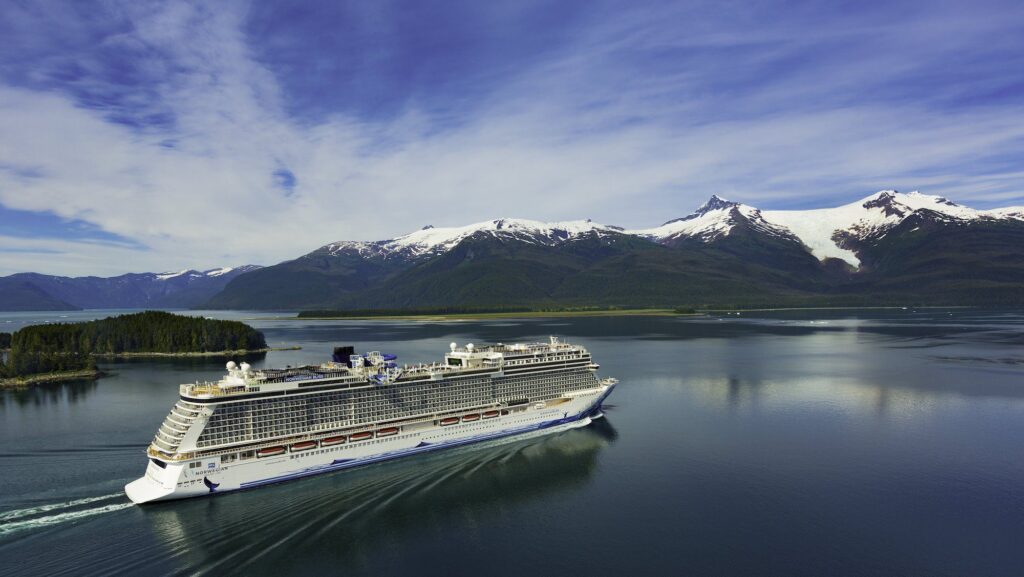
181 289
887 248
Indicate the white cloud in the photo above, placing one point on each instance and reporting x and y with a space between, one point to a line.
631 157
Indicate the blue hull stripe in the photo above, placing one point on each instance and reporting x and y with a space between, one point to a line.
348 463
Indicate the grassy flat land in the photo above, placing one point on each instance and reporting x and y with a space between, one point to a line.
592 313
132 355
504 315
54 377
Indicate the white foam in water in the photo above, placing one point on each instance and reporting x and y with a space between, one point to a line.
8 528
19 513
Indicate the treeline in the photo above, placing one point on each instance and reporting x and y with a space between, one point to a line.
24 364
5 341
329 313
71 346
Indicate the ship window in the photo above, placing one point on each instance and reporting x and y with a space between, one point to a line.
159 463
454 362
227 458
246 455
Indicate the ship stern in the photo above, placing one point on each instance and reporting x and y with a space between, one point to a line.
157 484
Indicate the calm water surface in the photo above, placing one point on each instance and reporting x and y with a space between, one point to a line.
870 443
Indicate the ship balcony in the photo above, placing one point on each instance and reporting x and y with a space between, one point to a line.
170 441
172 454
171 432
184 416
174 428
173 423
164 445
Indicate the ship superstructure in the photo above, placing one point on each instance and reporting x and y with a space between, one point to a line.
259 426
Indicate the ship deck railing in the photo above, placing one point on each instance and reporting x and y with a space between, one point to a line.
210 390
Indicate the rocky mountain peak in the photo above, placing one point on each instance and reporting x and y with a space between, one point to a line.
716 203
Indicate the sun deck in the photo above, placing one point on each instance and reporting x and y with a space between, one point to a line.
375 368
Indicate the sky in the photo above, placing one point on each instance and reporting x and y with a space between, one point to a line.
139 136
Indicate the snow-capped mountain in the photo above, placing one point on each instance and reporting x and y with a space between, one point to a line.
887 247
713 220
178 289
431 240
828 232
838 232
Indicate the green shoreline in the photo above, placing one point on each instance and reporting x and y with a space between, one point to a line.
509 315
655 312
47 378
143 354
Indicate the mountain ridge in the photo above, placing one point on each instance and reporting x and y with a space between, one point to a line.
816 228
888 246
722 252
177 289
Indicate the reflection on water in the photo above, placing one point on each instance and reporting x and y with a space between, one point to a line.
265 531
53 394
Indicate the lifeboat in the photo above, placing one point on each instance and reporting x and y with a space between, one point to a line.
490 414
362 436
269 451
332 441
449 421
387 432
471 417
303 446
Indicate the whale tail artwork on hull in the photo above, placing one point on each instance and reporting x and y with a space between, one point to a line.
259 426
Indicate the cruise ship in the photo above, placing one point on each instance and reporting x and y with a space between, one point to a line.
260 426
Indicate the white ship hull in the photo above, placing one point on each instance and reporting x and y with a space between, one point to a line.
178 480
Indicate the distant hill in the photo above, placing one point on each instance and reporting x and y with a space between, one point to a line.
20 294
182 289
887 248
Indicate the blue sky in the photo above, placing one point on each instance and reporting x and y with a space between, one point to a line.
139 137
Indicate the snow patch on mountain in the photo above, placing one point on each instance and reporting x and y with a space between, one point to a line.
211 273
1012 212
825 230
431 240
170 275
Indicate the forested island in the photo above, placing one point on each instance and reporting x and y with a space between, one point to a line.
63 351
